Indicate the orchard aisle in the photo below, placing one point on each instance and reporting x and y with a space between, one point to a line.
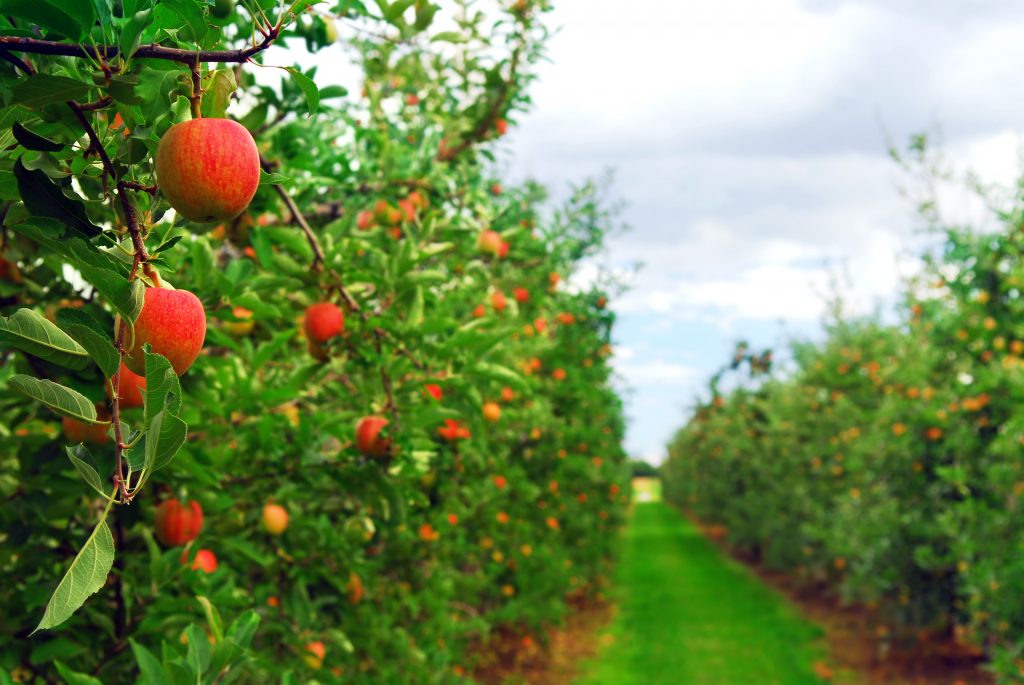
690 616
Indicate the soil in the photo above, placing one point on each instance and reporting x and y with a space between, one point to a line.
861 650
512 657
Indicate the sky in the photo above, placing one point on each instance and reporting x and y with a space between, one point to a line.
749 143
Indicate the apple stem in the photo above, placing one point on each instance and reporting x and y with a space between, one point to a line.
197 92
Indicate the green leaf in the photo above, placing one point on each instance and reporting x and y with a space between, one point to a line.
308 88
43 198
30 332
501 373
34 141
149 666
218 87
82 460
273 179
164 437
213 618
86 575
62 400
448 37
73 677
99 348
192 15
163 389
131 34
52 650
39 90
244 628
65 18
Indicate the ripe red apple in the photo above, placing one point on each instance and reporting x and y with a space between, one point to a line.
205 561
364 220
479 311
418 199
501 126
453 430
521 295
242 327
324 321
131 388
434 391
558 374
176 524
275 518
492 411
503 250
496 189
76 431
314 656
368 436
507 394
408 210
490 241
498 301
208 169
173 322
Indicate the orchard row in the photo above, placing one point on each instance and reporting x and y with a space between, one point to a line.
292 386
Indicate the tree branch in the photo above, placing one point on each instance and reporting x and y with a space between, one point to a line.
152 51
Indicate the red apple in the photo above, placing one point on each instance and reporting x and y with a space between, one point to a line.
243 326
131 388
501 126
76 431
176 524
498 301
208 169
173 322
364 220
490 241
275 518
314 656
368 436
434 391
492 411
205 561
521 295
324 321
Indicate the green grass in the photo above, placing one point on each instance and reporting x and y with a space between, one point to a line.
647 489
690 616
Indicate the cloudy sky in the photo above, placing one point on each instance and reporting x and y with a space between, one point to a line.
749 142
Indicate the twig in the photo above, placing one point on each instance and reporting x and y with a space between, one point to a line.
297 218
151 51
483 127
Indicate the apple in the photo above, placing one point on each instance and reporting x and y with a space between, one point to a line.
176 524
500 482
408 210
354 588
173 322
490 241
205 561
558 374
521 295
453 430
314 655
222 9
323 321
498 301
275 518
364 220
492 411
9 271
501 126
130 388
507 394
208 169
479 311
496 189
434 391
368 436
243 326
76 431
418 199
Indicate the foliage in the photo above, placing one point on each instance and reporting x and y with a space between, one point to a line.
374 201
886 462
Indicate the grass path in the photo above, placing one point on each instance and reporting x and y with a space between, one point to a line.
690 616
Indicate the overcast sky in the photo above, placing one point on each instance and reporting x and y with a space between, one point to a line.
749 139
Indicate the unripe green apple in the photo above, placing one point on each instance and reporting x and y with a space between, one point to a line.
275 518
222 9
208 169
173 322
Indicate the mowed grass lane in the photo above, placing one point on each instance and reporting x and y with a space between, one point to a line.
690 616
